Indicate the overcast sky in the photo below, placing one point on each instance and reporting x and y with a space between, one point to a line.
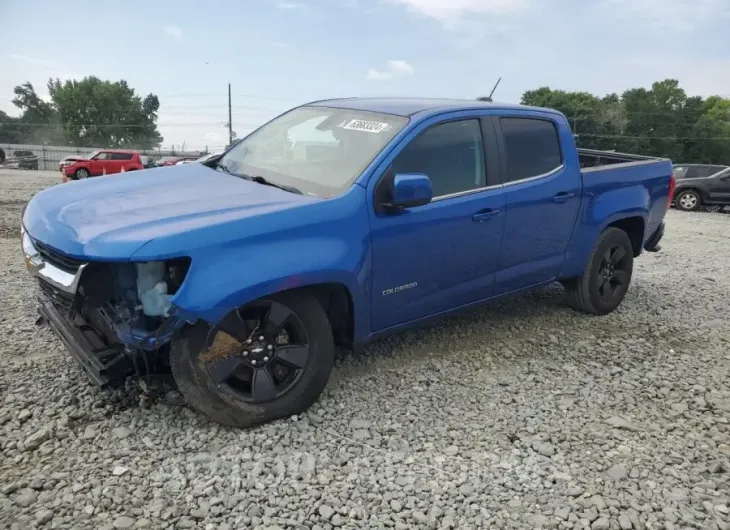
280 53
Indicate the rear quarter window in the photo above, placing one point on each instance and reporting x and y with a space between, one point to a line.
694 172
532 147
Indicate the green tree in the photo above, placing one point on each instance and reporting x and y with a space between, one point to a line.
104 113
660 121
39 120
10 129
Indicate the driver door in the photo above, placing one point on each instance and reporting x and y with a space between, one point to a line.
443 255
98 164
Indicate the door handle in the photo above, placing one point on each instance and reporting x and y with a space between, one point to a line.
484 215
563 196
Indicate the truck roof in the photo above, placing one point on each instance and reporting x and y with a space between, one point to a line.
411 106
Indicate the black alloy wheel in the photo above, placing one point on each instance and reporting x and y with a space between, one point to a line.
269 359
266 357
607 276
614 274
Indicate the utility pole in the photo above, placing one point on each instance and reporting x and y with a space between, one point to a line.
230 118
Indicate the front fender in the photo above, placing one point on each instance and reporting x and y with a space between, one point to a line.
217 285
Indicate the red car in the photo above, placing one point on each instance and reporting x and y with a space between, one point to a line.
100 163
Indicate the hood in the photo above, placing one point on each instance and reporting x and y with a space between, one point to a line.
112 217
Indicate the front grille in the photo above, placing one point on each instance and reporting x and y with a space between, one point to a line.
63 301
57 259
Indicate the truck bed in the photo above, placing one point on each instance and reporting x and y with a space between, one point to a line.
592 159
617 186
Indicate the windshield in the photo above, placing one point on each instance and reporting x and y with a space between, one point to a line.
92 155
318 150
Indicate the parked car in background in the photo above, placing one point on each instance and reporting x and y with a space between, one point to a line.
147 161
173 160
701 185
25 159
104 162
243 273
207 157
21 159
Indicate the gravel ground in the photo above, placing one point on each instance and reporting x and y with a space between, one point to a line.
521 415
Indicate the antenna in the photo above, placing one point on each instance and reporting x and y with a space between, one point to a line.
489 97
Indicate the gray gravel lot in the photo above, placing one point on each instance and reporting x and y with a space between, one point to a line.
521 415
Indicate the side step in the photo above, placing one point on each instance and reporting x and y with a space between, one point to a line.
102 364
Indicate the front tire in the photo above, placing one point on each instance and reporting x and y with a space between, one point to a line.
242 373
688 201
604 283
81 174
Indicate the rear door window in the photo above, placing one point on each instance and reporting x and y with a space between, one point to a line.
532 147
121 156
697 171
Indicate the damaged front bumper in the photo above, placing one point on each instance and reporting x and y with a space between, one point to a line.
108 347
103 364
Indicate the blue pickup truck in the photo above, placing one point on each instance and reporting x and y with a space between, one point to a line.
333 224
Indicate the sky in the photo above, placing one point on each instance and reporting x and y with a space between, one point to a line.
280 53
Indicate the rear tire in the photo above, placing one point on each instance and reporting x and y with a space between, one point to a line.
607 276
222 402
688 201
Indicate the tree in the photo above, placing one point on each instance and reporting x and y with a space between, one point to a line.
103 113
38 121
10 129
661 121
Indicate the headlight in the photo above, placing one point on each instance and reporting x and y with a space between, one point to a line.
157 281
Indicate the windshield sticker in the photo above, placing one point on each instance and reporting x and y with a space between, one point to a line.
365 126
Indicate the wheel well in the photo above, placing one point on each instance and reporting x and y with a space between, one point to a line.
634 228
337 303
680 191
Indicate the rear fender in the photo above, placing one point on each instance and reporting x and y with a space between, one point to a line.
215 286
596 214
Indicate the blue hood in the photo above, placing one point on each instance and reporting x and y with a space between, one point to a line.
114 216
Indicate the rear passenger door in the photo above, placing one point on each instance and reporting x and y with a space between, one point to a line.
121 160
541 197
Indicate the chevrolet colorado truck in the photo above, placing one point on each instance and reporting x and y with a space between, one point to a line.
335 223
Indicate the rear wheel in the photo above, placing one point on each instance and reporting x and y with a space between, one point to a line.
270 359
688 200
81 173
713 208
604 283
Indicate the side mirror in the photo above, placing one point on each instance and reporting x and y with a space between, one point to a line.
411 190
